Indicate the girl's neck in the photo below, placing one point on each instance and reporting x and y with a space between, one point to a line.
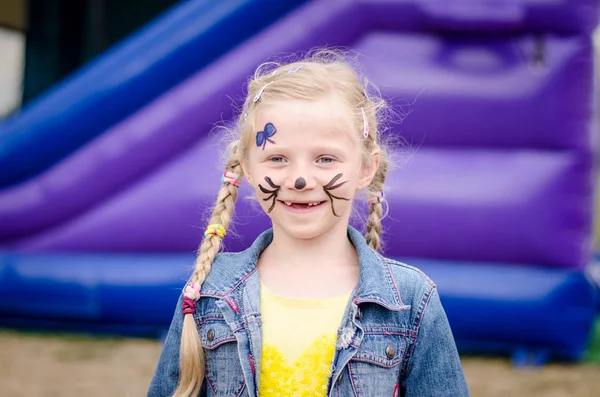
321 267
332 248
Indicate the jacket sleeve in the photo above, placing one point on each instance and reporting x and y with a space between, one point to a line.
434 367
166 375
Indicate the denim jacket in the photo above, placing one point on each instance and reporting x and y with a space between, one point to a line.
394 339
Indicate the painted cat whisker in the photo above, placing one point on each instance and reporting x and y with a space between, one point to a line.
330 186
272 193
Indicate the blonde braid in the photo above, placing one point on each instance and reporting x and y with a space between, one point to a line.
376 209
192 363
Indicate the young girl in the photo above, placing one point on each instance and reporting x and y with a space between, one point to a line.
311 308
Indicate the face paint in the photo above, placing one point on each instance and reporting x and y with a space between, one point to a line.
263 136
330 186
300 183
272 193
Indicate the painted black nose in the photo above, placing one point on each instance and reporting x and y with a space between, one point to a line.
300 183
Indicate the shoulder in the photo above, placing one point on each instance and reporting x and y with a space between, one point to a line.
230 268
408 277
226 271
227 262
414 286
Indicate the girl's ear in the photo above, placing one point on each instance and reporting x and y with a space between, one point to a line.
247 172
369 169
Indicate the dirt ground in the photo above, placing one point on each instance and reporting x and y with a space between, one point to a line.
68 366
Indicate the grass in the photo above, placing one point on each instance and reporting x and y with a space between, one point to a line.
593 353
68 365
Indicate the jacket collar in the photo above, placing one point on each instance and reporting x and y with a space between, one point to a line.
376 282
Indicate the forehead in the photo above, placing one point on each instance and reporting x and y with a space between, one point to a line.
304 123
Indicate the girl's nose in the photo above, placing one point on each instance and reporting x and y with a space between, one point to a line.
301 183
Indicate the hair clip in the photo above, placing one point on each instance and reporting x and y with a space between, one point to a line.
192 291
365 124
231 178
257 97
190 295
295 70
216 229
375 197
245 110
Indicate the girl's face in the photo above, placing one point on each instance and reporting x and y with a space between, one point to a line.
305 163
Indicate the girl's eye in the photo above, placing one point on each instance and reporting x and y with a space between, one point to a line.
277 159
326 160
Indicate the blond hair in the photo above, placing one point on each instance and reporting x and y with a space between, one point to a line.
321 73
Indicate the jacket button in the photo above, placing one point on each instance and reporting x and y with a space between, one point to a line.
210 335
339 379
390 351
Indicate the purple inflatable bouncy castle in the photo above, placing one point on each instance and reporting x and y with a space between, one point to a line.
495 202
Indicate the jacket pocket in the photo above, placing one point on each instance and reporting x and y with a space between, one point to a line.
224 376
375 368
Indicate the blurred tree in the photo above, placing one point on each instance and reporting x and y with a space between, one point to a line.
53 44
63 35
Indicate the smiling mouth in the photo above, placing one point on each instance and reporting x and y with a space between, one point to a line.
296 205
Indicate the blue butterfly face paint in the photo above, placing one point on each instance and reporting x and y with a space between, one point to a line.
263 136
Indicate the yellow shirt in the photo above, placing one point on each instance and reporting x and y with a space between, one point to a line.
298 343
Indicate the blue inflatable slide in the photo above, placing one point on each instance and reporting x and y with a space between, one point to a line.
102 200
